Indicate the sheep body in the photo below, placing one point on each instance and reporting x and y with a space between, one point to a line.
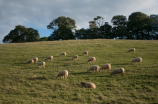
42 63
132 49
85 53
105 66
139 59
63 53
49 57
94 68
88 85
63 73
75 57
30 61
91 59
35 59
118 71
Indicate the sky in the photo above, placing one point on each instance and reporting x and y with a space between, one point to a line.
38 14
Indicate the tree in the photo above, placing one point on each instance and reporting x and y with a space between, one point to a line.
120 25
21 34
137 22
107 31
62 28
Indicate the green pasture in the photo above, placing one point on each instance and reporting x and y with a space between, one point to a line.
22 83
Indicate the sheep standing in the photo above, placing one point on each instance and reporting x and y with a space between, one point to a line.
118 71
35 59
105 66
94 68
49 57
63 73
139 59
30 61
75 57
85 53
42 63
88 85
91 59
132 49
63 53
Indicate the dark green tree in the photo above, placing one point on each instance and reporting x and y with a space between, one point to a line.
21 34
138 24
119 26
107 31
62 28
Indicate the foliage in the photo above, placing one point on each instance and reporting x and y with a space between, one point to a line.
62 28
22 83
21 34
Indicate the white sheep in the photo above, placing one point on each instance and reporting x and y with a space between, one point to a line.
94 68
139 59
88 85
91 59
132 49
105 66
42 63
35 59
63 73
75 57
30 61
118 71
85 53
49 57
63 53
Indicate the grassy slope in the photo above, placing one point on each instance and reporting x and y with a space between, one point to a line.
22 83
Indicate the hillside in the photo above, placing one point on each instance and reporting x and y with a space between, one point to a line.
27 83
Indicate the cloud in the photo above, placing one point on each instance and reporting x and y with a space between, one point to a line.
39 13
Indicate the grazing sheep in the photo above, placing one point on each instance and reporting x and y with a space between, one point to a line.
94 68
139 59
88 85
118 71
91 59
75 57
30 61
105 66
35 59
49 57
85 53
63 73
42 63
63 53
132 49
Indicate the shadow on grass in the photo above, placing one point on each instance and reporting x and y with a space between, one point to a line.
38 78
122 64
79 73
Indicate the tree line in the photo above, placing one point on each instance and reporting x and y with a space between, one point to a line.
138 26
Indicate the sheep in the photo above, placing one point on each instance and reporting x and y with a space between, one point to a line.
132 49
49 57
42 63
94 68
75 57
63 53
91 59
105 66
30 61
35 59
118 71
85 53
63 73
88 85
139 59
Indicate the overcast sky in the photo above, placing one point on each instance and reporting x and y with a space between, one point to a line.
39 13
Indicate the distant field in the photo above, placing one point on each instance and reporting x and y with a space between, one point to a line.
26 84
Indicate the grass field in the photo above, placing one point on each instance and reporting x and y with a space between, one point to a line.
22 83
